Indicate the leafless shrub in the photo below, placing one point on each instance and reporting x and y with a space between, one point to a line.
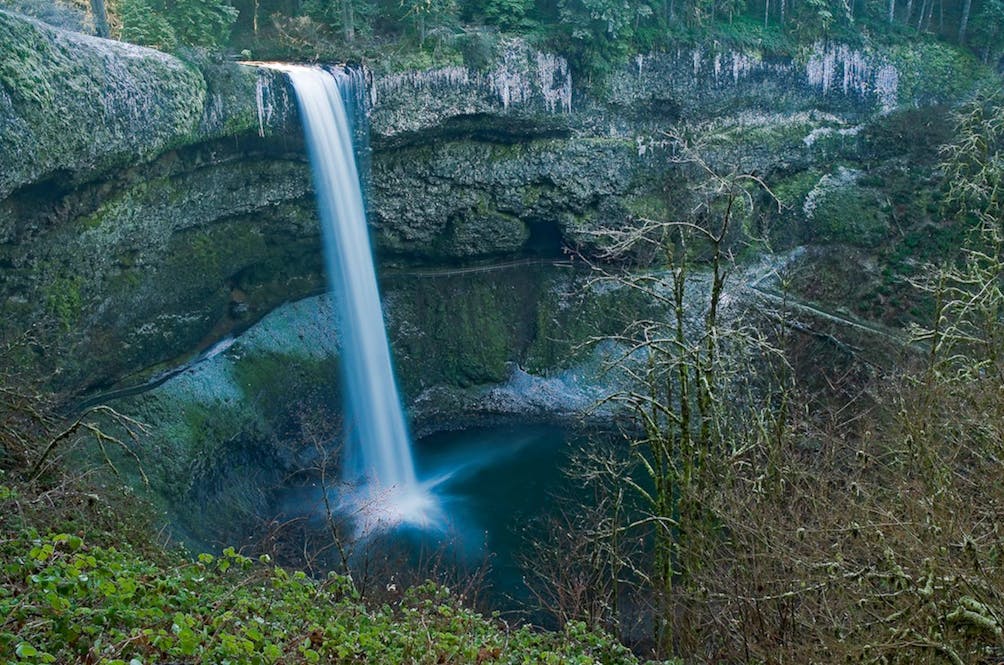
866 525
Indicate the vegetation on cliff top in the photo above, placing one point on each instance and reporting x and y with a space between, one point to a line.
596 35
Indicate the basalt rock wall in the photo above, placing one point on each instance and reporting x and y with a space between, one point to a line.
149 205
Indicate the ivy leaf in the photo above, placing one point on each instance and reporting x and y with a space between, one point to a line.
25 650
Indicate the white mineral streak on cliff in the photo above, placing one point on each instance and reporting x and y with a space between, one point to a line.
743 65
521 77
819 70
831 68
555 82
451 77
448 77
852 72
264 106
856 73
887 87
509 79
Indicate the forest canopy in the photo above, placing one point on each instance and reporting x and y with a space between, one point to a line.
595 35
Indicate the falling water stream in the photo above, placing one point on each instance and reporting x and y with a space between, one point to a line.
474 493
381 486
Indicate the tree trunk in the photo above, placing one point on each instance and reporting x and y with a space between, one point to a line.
100 18
930 16
348 20
892 11
964 23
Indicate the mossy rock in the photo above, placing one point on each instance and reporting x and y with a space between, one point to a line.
914 133
135 103
840 210
460 329
230 427
933 72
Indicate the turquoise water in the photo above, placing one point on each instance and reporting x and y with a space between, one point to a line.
502 479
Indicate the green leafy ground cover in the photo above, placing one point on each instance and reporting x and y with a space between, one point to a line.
74 597
65 600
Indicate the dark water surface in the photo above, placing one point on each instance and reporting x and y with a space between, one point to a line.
502 479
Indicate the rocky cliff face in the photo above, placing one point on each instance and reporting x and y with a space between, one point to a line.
148 206
151 207
117 193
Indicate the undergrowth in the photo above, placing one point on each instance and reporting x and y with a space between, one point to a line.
66 600
85 579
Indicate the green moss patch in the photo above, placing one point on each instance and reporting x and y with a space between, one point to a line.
839 209
932 72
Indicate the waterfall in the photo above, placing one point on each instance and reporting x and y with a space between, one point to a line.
379 472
